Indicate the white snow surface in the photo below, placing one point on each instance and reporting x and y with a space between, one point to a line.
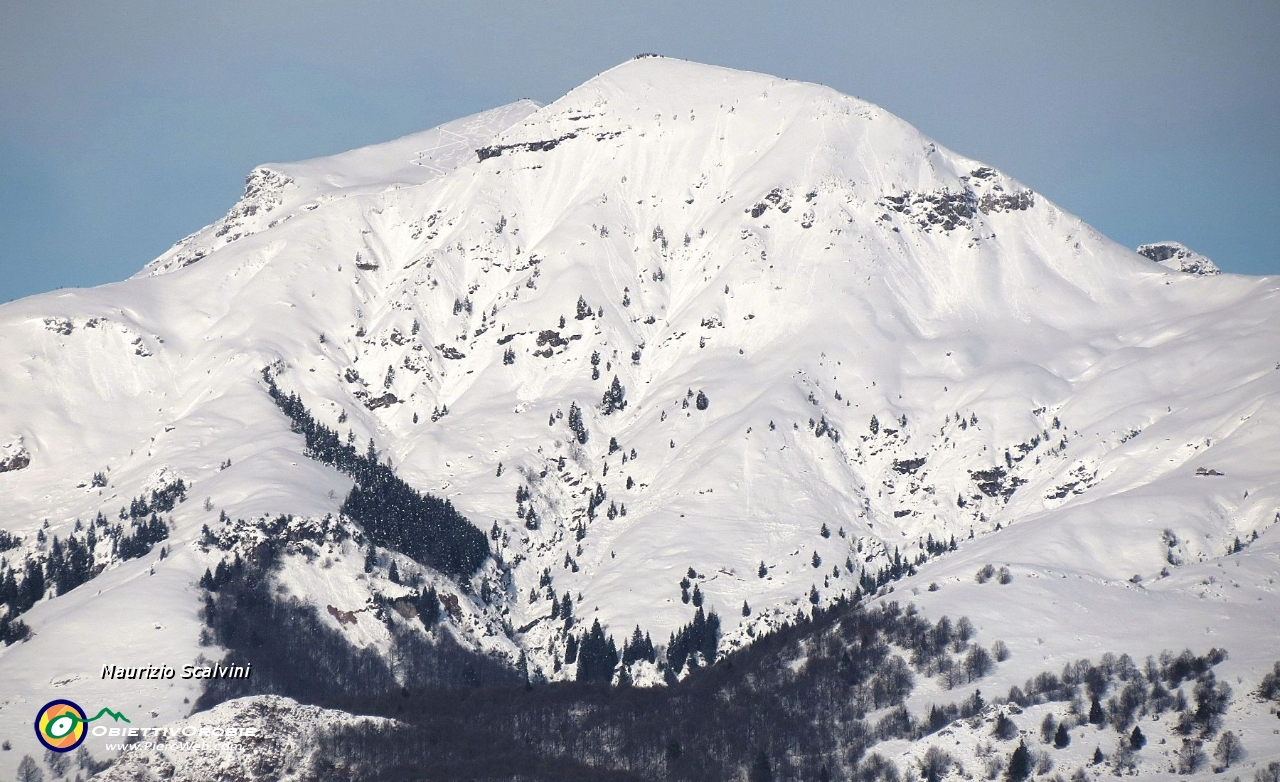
803 258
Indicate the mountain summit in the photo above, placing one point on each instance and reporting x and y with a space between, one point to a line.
685 327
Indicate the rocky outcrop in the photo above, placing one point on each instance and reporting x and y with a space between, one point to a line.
14 456
1176 256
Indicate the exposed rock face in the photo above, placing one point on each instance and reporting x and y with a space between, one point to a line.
264 191
14 456
1176 256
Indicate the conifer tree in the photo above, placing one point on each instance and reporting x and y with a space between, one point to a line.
428 605
571 650
615 398
1019 764
1062 738
597 656
575 424
1096 715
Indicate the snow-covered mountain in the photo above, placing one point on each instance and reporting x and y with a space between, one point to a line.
833 339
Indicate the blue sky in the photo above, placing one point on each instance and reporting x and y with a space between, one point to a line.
125 125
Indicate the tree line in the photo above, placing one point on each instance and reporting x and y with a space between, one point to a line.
393 514
70 562
809 700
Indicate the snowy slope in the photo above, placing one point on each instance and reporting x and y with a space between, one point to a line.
275 193
803 259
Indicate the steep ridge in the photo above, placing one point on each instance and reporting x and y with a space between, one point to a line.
834 339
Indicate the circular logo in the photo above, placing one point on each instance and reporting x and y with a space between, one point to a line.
60 725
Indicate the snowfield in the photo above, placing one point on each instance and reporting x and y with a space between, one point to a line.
836 339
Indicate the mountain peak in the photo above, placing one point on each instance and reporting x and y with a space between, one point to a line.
671 89
662 66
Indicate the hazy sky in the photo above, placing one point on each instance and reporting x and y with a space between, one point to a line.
125 125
